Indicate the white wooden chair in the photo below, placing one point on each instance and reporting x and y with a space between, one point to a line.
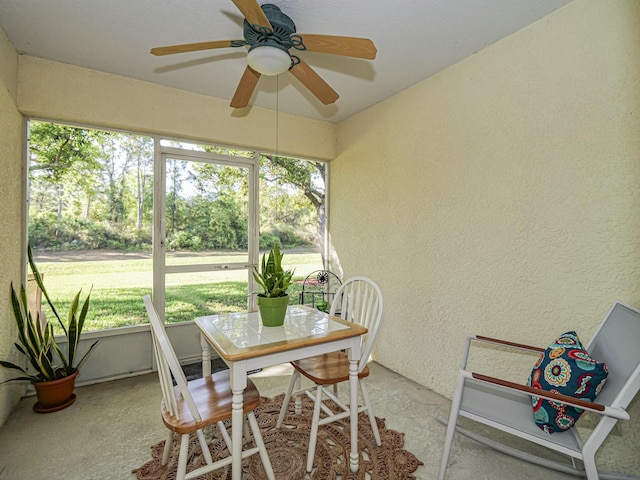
506 406
359 301
191 406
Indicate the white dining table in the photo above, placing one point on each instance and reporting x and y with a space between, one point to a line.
244 344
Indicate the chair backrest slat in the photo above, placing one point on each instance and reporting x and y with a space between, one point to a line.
359 300
166 385
168 362
617 344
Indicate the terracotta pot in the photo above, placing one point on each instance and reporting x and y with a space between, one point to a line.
56 394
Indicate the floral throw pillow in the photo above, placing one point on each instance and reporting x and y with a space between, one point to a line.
565 367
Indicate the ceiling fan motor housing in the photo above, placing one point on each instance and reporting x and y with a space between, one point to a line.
280 37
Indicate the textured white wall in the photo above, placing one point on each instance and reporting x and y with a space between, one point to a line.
500 197
10 213
63 92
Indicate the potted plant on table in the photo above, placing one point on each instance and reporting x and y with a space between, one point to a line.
275 281
51 370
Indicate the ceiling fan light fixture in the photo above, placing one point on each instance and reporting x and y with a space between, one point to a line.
268 60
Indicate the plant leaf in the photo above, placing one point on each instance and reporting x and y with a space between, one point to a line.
65 363
40 283
84 357
13 366
73 334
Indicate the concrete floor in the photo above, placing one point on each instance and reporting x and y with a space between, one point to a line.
108 431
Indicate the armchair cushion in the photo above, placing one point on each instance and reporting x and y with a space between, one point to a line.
565 367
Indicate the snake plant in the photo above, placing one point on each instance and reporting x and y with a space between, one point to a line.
273 279
36 341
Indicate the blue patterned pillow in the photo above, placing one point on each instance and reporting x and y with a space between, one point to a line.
565 367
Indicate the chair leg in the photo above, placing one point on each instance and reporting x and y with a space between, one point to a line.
205 447
246 432
257 436
589 449
225 435
590 468
372 418
183 456
287 398
298 381
167 448
313 435
451 426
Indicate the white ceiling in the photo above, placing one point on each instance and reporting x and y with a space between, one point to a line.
415 39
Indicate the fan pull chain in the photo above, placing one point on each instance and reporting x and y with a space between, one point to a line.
277 141
277 112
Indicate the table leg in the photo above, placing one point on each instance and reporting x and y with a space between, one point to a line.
206 356
238 379
236 435
353 407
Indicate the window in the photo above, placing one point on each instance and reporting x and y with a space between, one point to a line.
91 213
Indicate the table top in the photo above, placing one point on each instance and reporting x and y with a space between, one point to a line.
239 336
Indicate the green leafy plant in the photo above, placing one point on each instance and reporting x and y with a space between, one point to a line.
36 340
273 279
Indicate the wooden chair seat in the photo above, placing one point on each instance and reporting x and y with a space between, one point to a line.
327 369
212 396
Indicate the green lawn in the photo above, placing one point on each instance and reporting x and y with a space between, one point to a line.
117 287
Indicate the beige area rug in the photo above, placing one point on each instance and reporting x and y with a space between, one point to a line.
287 448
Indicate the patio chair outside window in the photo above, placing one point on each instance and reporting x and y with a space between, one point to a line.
319 289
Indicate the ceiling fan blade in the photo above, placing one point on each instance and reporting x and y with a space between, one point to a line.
253 13
192 47
337 45
321 89
245 88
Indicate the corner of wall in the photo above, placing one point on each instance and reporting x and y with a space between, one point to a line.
11 212
9 66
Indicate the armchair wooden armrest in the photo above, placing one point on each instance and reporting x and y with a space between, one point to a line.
495 341
616 412
505 343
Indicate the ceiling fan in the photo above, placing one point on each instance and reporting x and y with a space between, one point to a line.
270 36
